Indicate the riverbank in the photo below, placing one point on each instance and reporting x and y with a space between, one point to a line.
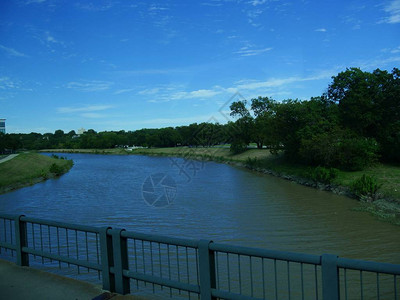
30 168
386 208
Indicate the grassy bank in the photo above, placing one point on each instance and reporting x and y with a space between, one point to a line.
29 168
118 151
386 208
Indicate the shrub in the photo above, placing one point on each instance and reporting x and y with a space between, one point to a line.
366 188
324 175
56 169
251 162
238 147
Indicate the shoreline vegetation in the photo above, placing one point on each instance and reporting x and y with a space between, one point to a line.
385 206
30 168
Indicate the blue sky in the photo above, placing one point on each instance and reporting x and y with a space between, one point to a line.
113 65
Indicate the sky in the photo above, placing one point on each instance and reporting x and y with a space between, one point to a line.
127 65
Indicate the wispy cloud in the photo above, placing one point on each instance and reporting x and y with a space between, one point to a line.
199 94
320 30
12 52
393 10
95 7
89 109
246 51
257 2
92 115
278 82
123 91
35 1
6 83
90 86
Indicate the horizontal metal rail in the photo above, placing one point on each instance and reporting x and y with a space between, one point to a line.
196 267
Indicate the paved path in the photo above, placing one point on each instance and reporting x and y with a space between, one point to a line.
26 283
11 156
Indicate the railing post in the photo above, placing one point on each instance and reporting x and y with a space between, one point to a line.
206 270
107 262
330 277
21 240
120 255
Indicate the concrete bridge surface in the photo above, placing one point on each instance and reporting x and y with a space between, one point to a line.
26 283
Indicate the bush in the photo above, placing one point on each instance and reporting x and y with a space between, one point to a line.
251 162
366 188
357 153
238 147
56 169
324 175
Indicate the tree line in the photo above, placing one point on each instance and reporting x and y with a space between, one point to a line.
355 123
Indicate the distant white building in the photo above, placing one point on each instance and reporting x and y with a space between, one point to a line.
2 125
81 131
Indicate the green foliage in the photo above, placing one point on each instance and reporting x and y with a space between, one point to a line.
366 188
238 147
44 174
357 153
323 175
56 169
252 162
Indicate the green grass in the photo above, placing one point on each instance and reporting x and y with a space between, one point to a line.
118 151
27 169
212 153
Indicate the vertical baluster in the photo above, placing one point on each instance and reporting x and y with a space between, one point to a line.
345 284
263 276
316 281
240 276
361 286
136 263
377 286
251 276
228 270
33 239
66 236
87 248
76 247
49 240
58 246
177 265
41 241
288 278
151 262
302 281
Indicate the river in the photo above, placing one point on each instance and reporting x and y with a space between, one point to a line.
207 200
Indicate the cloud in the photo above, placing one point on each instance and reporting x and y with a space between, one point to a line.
320 30
122 91
35 1
277 82
92 115
245 51
203 93
88 110
6 83
90 86
257 2
12 52
393 9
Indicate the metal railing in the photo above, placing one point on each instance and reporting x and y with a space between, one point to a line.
130 261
